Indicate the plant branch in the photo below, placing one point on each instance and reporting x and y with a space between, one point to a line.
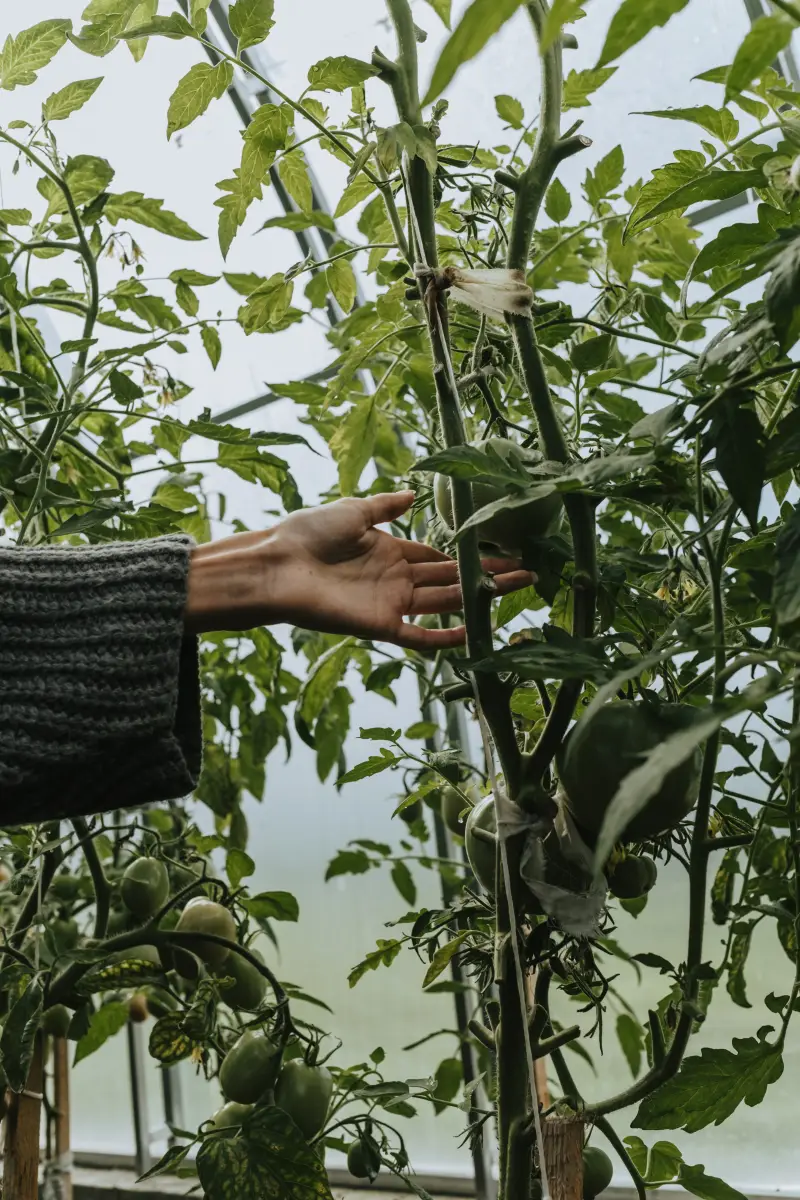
102 890
607 1129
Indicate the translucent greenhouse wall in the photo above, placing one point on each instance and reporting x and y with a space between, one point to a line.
300 824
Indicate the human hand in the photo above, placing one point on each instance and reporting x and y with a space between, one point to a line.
330 569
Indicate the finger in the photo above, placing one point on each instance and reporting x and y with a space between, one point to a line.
414 637
388 506
513 581
498 566
417 552
425 574
436 600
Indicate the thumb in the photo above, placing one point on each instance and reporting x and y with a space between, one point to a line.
388 506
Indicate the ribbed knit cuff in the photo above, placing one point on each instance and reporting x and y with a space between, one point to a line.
99 685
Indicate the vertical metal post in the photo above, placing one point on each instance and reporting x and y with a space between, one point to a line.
141 1125
173 1100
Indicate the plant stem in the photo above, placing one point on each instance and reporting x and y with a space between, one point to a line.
102 891
613 1137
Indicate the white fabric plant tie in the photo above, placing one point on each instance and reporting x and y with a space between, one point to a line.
503 806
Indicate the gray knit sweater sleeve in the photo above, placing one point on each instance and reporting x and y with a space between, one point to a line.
99 686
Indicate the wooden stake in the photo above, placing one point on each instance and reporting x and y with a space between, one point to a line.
563 1148
61 1090
21 1156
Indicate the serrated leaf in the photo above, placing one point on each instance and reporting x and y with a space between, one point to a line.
515 603
238 866
403 880
199 86
384 956
561 13
353 443
22 56
175 27
267 305
606 177
273 906
61 104
443 957
15 216
348 862
707 1187
580 85
558 202
767 38
169 1043
187 299
741 456
660 197
342 283
264 137
737 961
168 1162
479 23
372 766
353 194
269 1158
211 344
293 171
123 388
510 110
127 972
87 177
710 1087
251 21
135 206
719 122
198 14
632 21
786 585
297 221
631 1038
338 73
18 1037
103 1024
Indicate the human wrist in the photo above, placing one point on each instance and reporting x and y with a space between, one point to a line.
229 585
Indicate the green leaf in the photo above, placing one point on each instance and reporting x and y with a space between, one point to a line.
169 1043
270 1157
707 1187
19 1035
15 216
168 1163
762 45
339 73
443 957
710 1087
353 443
786 584
741 456
558 202
643 782
175 26
606 177
384 956
199 86
267 305
86 175
123 388
356 191
782 293
293 171
403 880
442 10
510 110
631 1038
134 206
580 85
187 299
449 1077
119 973
211 344
141 15
263 138
198 14
69 99
737 960
479 23
324 677
719 122
515 603
238 866
251 21
273 906
373 766
297 221
22 56
342 283
632 21
103 1024
349 862
675 187
733 245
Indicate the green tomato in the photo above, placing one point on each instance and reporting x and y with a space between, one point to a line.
304 1092
231 1115
362 1161
65 934
598 754
143 953
145 887
632 876
481 852
513 528
250 987
249 1067
202 915
454 811
56 1020
598 1171
65 887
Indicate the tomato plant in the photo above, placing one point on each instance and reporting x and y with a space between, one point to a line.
577 377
